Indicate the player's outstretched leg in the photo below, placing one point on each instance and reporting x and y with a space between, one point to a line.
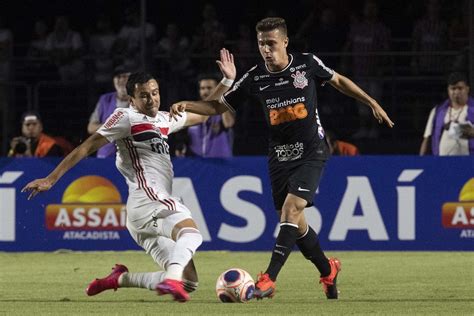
108 283
329 282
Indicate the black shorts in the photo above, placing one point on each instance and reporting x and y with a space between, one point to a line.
301 180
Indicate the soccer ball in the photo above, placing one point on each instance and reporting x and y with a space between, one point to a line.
235 285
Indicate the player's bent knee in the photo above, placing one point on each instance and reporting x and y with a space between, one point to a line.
291 213
193 236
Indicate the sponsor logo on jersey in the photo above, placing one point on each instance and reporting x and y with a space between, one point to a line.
114 119
289 152
293 69
300 80
281 82
257 78
274 103
288 113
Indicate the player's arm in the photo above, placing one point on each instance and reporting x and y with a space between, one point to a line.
94 142
348 87
228 119
199 111
92 127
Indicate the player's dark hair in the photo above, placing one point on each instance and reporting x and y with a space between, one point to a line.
270 24
137 78
456 77
207 76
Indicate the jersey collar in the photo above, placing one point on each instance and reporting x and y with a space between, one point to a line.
280 71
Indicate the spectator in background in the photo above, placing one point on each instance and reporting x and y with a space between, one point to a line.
321 32
449 130
107 104
101 47
366 36
6 50
209 38
37 47
176 66
65 48
212 138
430 34
129 37
459 26
33 142
459 37
39 66
338 147
245 48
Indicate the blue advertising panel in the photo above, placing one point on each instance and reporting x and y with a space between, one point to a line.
363 203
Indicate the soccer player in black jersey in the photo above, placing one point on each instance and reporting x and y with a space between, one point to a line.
285 86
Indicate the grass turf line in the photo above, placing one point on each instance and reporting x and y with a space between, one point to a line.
385 283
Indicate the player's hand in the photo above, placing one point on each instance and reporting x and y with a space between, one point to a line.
176 110
380 115
37 186
226 64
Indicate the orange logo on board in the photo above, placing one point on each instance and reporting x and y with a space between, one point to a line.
460 214
88 203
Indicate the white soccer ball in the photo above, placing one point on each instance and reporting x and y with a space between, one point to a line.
235 285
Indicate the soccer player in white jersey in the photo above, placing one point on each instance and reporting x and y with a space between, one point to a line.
157 221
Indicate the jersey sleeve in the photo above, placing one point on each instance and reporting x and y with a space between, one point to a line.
239 93
321 72
175 125
117 126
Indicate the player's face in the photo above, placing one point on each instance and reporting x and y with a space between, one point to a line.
146 98
458 93
206 86
32 128
272 46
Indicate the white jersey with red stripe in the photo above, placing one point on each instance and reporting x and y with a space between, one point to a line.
142 150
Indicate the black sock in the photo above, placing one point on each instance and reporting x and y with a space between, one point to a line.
284 243
311 250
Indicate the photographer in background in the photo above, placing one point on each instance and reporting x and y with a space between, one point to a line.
449 130
33 142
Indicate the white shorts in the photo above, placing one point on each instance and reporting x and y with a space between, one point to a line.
151 223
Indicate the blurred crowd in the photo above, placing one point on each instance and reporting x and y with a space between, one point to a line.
431 37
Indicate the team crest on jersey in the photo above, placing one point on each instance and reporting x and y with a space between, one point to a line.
300 79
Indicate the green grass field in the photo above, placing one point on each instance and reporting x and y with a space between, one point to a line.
370 283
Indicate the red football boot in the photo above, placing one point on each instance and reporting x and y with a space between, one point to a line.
107 283
173 287
329 282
